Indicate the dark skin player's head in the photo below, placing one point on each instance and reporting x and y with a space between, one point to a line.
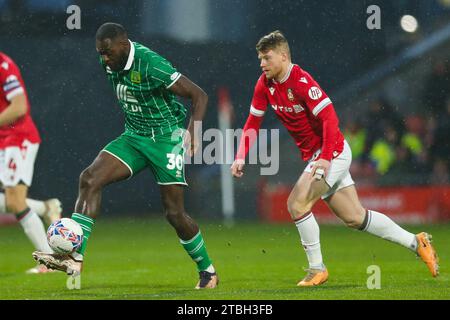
111 42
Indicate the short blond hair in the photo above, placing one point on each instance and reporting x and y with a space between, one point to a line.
273 41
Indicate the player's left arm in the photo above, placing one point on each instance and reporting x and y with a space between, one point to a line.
163 73
185 88
330 125
321 107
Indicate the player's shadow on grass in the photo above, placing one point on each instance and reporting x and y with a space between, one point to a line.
110 291
295 290
287 284
169 291
9 274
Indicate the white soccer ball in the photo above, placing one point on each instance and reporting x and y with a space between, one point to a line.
65 236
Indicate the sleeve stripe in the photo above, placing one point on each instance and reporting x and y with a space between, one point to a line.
175 80
11 85
14 93
156 78
162 71
325 102
256 112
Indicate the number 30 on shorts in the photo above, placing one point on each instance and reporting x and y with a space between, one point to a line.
175 160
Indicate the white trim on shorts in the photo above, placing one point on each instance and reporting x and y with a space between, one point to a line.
169 183
118 158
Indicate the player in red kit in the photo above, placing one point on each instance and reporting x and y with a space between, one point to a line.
19 144
308 114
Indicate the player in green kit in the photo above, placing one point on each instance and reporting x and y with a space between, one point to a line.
145 84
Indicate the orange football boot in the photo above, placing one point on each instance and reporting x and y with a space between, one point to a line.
314 277
426 251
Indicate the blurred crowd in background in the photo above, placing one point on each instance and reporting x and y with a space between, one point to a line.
393 148
390 86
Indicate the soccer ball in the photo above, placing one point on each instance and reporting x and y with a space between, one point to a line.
65 236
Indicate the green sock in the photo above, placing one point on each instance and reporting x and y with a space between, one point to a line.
197 250
86 224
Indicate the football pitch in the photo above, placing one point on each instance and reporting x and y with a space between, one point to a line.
142 259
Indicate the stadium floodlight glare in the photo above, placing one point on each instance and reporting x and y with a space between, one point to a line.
409 23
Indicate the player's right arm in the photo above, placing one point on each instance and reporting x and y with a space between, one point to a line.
14 93
251 128
16 109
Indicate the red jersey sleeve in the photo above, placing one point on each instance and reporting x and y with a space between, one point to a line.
249 135
254 120
10 80
259 100
320 105
330 126
311 93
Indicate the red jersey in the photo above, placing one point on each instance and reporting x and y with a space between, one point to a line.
304 109
11 84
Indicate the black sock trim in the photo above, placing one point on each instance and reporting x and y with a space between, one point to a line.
366 221
20 215
303 218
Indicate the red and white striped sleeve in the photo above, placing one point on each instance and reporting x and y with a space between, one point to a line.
10 80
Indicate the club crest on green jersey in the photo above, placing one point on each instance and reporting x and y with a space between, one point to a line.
135 77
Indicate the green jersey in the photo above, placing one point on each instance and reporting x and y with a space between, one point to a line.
142 89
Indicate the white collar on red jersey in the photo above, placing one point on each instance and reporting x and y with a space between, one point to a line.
288 73
130 57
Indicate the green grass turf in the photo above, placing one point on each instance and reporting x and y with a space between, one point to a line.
142 259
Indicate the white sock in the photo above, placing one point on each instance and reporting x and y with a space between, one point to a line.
35 205
210 269
34 229
310 238
77 256
382 226
2 203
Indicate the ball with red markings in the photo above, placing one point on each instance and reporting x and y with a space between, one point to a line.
65 236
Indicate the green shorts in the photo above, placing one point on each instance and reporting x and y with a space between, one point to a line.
164 155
